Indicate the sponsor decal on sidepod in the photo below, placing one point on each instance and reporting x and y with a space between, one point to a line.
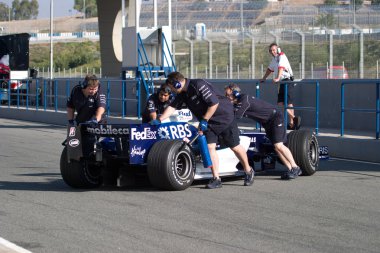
137 151
74 143
108 129
164 132
72 132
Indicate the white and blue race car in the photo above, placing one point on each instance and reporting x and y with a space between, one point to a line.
169 153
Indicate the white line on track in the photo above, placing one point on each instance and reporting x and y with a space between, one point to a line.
8 247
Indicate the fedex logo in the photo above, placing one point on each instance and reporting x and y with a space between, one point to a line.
146 134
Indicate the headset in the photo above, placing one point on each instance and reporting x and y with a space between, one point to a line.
176 84
83 84
236 93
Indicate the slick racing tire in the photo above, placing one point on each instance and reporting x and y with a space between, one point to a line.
79 174
305 149
171 165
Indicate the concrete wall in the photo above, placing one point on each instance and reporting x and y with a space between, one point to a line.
107 12
361 95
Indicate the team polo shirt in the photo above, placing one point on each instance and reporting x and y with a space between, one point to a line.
200 95
254 108
154 105
281 61
85 106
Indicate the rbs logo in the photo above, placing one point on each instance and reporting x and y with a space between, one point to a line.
174 132
146 134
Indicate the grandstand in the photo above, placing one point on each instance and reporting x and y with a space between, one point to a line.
215 15
219 16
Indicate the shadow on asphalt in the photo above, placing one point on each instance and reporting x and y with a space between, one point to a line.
32 127
54 181
334 164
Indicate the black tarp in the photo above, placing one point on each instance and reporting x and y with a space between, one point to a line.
17 46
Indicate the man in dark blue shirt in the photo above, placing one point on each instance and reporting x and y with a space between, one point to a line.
157 103
89 104
87 101
271 119
216 120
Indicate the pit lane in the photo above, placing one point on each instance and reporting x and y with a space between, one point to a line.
335 210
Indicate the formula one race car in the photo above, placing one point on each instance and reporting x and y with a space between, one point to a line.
169 153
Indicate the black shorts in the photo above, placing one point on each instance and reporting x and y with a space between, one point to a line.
281 92
275 129
228 137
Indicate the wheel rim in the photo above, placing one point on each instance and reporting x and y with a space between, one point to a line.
313 153
183 165
92 172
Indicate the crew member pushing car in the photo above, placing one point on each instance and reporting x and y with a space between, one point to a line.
89 104
157 103
271 119
216 120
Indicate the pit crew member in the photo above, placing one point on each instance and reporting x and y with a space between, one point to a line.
271 119
157 103
89 104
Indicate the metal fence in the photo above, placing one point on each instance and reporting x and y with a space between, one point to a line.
123 96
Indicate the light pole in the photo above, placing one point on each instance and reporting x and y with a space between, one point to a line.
51 40
354 9
176 24
9 11
84 15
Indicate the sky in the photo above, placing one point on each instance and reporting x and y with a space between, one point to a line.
61 8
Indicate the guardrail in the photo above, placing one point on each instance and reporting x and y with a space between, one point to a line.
343 109
46 94
316 108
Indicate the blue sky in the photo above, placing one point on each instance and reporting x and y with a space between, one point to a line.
61 8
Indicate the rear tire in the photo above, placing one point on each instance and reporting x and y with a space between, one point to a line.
79 174
171 165
305 149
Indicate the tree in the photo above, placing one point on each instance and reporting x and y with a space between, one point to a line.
326 20
358 3
4 12
34 9
25 9
91 7
375 2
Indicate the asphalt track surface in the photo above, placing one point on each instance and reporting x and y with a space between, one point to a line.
335 210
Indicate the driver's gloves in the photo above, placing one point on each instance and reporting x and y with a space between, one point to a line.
203 125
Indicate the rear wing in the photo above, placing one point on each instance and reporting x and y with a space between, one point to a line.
141 137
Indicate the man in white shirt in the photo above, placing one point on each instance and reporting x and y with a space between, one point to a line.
282 72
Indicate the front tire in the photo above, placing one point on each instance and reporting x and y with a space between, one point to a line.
79 174
305 149
171 165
